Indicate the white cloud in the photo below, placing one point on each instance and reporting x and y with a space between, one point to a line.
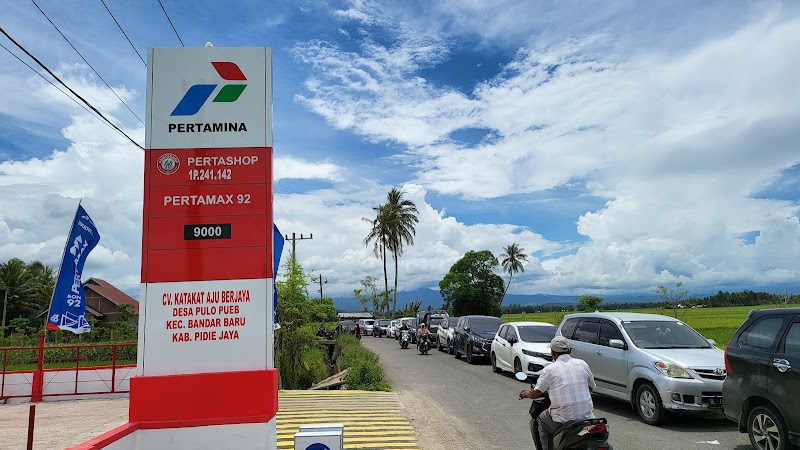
287 167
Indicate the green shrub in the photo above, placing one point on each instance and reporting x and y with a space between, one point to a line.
366 372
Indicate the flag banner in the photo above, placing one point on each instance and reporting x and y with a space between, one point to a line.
68 305
277 249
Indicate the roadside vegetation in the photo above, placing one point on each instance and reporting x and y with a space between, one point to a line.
366 372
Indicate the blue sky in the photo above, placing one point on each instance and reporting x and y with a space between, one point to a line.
622 144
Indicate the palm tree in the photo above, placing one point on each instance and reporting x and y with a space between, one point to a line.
379 237
513 257
401 218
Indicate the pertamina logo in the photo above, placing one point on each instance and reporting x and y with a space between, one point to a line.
197 96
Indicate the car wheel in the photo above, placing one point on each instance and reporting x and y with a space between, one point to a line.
450 347
517 365
470 357
455 350
439 345
494 364
649 405
766 429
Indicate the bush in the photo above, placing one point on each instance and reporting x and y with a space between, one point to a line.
366 372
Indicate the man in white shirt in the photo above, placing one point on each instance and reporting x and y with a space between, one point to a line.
569 382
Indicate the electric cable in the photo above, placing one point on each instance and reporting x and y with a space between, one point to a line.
170 23
68 88
87 62
123 32
59 89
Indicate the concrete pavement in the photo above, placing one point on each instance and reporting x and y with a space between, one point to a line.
372 420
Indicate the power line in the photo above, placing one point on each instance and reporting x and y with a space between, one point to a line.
123 32
87 62
68 88
59 89
170 22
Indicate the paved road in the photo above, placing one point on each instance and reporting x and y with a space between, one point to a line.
456 405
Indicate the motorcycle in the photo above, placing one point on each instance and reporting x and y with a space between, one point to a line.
586 434
423 344
405 338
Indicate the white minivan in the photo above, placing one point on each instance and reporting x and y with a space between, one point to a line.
367 326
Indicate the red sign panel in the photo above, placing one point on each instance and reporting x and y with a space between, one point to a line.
208 214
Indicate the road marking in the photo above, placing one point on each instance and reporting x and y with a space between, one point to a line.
372 420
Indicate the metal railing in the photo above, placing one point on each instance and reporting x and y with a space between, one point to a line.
66 356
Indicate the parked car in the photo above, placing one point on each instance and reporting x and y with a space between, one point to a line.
407 321
391 331
432 319
382 327
473 336
444 334
346 326
367 326
522 347
762 361
657 363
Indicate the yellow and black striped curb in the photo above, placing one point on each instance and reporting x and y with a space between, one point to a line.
372 420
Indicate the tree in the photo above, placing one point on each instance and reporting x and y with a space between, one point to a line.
369 294
411 309
401 218
472 287
672 297
512 258
590 302
29 289
378 236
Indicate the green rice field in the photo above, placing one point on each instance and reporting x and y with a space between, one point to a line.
718 324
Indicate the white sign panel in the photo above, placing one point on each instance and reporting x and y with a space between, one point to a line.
206 326
209 97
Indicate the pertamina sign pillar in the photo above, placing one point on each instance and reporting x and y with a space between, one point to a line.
205 366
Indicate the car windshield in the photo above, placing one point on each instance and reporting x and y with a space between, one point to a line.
369 322
485 325
435 321
537 333
383 323
663 334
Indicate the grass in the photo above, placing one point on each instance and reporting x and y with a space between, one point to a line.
718 324
67 364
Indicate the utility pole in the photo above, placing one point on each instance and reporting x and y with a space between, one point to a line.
294 242
320 286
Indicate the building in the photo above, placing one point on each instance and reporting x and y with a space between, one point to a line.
102 300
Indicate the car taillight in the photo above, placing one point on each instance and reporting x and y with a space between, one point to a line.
728 369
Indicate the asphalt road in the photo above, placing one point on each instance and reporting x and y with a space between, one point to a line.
453 404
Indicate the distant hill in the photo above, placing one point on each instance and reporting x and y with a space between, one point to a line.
432 298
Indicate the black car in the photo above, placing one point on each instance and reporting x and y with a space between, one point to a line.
763 384
473 336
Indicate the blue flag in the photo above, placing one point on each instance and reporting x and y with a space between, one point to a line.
68 306
277 249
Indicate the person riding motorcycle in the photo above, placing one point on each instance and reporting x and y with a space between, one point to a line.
422 333
568 381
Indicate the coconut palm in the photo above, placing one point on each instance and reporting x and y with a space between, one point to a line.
401 218
379 237
512 258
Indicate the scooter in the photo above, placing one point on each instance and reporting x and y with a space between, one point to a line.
587 434
405 338
423 344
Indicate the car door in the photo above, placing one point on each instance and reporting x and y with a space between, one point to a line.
785 377
501 347
458 334
759 342
610 368
585 340
512 335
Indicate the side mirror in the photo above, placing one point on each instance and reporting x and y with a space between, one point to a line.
466 329
712 342
512 341
616 343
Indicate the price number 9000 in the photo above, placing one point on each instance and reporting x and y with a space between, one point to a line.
207 231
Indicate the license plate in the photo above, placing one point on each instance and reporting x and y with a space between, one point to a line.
715 402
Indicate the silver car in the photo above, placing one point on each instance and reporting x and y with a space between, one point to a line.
657 363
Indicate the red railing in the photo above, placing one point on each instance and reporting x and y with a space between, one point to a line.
37 380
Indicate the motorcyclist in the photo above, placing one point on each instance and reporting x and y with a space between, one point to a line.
422 333
568 381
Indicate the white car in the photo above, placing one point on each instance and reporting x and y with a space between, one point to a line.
392 330
444 335
522 347
367 326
